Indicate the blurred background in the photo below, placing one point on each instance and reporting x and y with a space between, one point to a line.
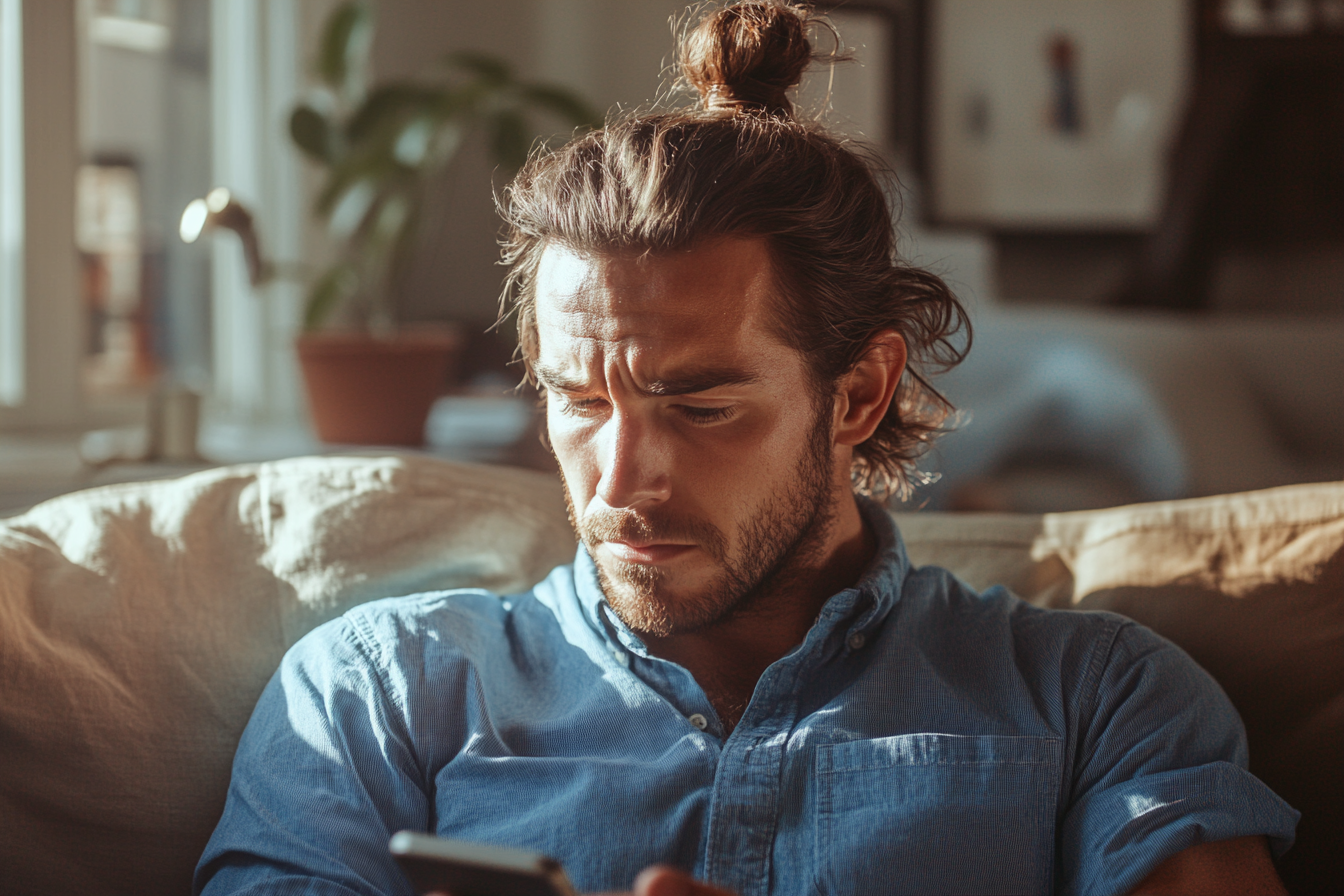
1141 202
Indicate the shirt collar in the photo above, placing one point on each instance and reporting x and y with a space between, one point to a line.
864 605
881 582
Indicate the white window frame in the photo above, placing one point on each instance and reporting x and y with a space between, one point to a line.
42 330
45 392
254 83
12 380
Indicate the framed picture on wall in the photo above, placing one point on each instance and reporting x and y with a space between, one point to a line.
874 96
1052 114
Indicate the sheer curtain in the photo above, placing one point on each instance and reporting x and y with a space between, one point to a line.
256 62
11 204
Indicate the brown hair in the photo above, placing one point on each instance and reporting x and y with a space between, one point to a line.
739 164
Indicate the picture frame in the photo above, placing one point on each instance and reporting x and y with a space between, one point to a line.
1052 114
875 97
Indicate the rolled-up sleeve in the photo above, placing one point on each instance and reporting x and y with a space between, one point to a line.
324 774
1161 767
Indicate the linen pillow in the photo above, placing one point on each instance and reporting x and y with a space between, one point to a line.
1252 586
985 549
139 623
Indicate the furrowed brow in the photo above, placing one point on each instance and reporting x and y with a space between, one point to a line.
699 381
687 383
557 380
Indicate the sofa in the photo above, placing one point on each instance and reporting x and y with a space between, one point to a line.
1073 408
1204 403
139 623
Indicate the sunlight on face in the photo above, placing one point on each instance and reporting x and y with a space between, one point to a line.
696 455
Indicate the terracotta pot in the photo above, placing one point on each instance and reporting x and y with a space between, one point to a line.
364 390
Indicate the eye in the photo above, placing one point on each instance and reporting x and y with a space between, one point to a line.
705 416
578 407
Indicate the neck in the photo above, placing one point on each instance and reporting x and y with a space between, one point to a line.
728 656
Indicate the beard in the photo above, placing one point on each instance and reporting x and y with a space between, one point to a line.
786 532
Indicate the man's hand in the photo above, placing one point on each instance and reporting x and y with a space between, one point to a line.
1228 866
1240 866
660 880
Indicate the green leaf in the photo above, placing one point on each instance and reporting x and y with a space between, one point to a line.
337 285
413 142
491 68
468 100
386 217
372 168
386 107
343 55
350 210
312 133
509 140
447 140
562 102
391 218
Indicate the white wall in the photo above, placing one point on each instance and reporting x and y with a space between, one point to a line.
53 324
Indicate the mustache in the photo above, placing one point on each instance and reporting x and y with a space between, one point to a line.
628 525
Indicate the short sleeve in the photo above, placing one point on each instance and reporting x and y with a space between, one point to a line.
1161 767
323 777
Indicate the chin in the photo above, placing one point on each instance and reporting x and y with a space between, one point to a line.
653 601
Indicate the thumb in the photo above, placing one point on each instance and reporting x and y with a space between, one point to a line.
662 880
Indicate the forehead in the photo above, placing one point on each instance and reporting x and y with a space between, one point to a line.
706 303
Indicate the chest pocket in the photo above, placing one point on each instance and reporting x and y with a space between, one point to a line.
936 813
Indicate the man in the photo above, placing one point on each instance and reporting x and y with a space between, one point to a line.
741 678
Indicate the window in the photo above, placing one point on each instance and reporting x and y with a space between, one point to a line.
130 53
99 300
255 83
11 204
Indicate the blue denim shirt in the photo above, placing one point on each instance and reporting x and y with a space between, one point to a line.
922 739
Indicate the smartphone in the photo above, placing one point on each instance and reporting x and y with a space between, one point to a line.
475 869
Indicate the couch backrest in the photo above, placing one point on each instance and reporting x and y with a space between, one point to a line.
138 624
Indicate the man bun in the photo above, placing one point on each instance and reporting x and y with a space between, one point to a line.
747 55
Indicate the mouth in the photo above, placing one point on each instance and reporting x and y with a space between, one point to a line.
649 553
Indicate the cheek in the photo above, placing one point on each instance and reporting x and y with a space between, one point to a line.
744 462
573 448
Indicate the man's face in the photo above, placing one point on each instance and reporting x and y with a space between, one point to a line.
697 458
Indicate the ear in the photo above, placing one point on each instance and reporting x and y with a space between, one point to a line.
864 394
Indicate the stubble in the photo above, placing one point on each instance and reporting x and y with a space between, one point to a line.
785 534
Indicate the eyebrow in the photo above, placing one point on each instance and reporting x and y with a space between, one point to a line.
681 383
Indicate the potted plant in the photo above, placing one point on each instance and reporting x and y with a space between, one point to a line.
383 147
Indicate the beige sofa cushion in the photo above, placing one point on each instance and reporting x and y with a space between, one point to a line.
1234 544
986 549
139 623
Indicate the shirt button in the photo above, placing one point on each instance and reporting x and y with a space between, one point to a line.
856 641
698 721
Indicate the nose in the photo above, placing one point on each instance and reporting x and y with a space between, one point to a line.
634 463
